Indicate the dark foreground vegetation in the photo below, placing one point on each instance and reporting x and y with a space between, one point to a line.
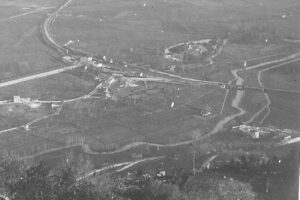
246 178
39 183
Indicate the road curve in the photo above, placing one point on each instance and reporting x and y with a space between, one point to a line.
46 31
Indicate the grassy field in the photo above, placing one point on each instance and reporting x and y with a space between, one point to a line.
56 87
129 30
19 114
22 51
285 77
151 118
253 102
138 32
285 110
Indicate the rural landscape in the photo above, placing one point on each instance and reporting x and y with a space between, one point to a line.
149 100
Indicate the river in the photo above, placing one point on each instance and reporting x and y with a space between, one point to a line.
235 103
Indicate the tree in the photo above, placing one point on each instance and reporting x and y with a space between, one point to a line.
158 190
230 189
210 187
196 137
141 188
106 185
10 167
33 184
39 183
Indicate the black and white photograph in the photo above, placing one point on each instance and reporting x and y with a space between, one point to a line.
149 99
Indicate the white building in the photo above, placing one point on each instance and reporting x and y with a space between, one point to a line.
256 135
161 173
68 59
53 105
99 65
17 99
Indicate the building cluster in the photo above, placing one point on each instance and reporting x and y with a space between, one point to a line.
175 52
203 112
176 176
206 112
196 48
229 86
18 99
263 132
94 62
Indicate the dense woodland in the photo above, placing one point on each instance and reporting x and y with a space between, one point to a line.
245 178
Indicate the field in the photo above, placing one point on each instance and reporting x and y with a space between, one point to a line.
138 32
253 102
285 77
22 51
18 114
285 111
99 124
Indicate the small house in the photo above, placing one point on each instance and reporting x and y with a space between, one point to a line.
17 99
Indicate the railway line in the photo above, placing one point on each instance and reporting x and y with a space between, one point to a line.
45 29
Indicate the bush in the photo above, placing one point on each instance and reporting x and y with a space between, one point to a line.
39 183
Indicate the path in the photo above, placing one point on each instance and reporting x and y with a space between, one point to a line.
290 57
267 106
24 36
290 141
226 94
186 78
26 13
136 144
127 165
28 124
49 151
224 101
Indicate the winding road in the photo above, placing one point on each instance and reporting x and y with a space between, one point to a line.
125 165
46 28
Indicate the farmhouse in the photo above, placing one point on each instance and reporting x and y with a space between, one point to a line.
254 132
18 99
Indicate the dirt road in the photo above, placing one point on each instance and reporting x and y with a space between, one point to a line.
260 82
113 166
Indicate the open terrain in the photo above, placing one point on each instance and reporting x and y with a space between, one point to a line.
131 103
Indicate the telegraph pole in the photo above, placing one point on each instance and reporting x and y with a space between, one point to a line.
298 162
194 158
